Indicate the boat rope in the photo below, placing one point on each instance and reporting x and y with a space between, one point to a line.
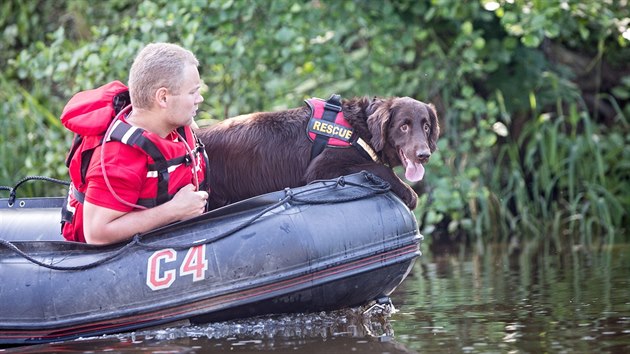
157 246
377 186
380 186
13 190
14 248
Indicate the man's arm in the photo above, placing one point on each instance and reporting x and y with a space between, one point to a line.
103 225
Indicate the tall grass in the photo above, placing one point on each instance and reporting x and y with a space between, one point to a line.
33 141
563 176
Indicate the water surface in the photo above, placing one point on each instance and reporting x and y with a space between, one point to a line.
534 301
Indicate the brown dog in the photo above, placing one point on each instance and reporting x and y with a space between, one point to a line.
269 151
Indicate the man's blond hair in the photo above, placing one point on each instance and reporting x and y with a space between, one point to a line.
157 65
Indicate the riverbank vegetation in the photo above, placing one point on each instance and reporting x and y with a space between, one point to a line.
532 95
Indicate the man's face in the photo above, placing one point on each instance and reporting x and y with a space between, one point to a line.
184 104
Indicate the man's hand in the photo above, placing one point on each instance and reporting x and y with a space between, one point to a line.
188 203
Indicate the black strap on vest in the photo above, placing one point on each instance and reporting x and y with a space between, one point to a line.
137 139
331 108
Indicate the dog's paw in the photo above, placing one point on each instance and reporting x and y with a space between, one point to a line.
410 199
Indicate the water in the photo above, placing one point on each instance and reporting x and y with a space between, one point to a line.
484 302
454 301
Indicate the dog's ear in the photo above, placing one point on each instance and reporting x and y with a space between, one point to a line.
372 104
378 117
435 127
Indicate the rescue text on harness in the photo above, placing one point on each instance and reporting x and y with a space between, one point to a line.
327 127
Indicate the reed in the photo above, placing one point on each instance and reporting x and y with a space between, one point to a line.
563 177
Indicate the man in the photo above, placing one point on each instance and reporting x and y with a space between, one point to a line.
127 194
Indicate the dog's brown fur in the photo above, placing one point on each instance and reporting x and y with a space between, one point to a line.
269 151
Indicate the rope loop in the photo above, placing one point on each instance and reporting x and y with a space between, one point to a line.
13 191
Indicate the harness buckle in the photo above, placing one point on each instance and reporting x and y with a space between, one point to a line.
332 107
333 103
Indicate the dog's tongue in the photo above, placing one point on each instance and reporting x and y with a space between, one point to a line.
414 172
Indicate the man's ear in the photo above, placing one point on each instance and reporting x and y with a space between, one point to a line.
160 96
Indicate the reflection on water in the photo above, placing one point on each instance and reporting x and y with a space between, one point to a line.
462 302
534 302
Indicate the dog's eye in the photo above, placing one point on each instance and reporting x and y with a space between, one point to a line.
427 127
404 128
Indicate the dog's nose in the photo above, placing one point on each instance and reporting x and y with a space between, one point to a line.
423 155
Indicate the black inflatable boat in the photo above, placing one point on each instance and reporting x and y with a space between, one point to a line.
332 244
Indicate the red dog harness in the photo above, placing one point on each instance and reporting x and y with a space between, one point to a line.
327 127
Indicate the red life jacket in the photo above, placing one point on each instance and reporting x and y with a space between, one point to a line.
89 114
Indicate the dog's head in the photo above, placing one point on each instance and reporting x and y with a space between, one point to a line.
405 132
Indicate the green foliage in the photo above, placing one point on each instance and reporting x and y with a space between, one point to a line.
33 142
486 65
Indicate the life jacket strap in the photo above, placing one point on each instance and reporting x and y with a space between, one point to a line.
79 196
67 212
133 136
